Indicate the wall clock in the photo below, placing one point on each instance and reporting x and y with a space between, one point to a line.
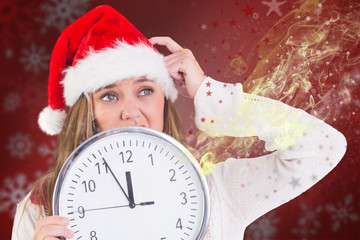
132 183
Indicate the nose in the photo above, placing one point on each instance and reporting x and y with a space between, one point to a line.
129 110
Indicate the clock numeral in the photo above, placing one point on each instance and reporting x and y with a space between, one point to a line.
105 166
151 159
184 198
163 238
93 235
128 153
172 179
179 224
89 185
81 211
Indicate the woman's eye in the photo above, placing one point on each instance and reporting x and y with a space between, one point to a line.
108 97
146 91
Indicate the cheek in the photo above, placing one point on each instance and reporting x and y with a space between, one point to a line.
155 116
104 117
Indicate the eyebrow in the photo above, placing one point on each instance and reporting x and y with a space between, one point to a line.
136 81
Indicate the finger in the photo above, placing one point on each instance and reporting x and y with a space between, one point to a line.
48 231
184 54
170 44
54 220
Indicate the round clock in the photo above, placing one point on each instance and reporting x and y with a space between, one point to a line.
132 183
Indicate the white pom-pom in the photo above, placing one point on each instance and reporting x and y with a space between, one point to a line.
51 121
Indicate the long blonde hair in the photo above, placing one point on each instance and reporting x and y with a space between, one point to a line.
79 125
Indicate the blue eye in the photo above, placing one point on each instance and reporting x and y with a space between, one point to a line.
109 97
146 91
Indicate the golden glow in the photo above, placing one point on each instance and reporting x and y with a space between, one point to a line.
304 61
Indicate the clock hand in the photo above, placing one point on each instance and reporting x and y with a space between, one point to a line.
146 203
120 206
130 189
117 181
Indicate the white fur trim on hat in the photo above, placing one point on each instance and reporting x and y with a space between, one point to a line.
102 68
51 121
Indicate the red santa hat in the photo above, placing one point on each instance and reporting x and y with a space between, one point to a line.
98 49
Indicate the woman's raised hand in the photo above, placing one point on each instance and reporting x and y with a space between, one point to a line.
181 65
52 227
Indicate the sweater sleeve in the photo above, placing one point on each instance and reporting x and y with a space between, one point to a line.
26 216
305 149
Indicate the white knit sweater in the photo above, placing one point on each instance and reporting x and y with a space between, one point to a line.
242 190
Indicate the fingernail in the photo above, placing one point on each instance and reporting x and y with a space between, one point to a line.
65 221
71 233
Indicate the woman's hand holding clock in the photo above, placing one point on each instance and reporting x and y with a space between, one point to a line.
52 227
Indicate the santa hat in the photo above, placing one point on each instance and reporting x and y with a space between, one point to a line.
98 49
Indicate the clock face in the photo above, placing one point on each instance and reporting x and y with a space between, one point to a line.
132 183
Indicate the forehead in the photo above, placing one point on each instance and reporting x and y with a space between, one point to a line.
130 82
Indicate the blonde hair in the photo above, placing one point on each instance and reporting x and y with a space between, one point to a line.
80 125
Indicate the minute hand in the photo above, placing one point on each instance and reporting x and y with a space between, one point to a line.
130 189
117 181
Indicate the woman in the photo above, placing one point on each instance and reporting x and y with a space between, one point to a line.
114 77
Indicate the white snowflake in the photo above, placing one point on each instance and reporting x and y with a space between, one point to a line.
12 192
342 213
203 27
35 59
226 46
213 49
48 150
11 102
61 13
19 145
263 228
309 222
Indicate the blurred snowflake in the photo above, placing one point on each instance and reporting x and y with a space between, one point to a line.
11 102
61 13
263 228
342 212
19 145
309 223
35 59
12 192
48 150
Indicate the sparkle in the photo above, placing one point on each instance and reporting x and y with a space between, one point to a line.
295 182
274 6
249 10
233 22
314 177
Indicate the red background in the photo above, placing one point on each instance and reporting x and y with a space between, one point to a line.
217 32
